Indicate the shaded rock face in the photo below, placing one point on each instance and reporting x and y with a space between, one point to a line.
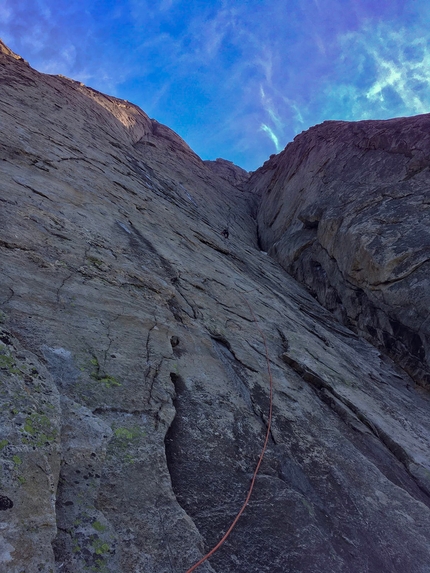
346 210
229 171
133 379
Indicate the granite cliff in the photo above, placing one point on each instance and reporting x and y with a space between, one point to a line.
134 388
346 210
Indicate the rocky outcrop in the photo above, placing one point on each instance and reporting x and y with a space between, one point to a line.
134 386
229 171
346 210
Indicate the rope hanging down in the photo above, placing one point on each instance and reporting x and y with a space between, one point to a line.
260 459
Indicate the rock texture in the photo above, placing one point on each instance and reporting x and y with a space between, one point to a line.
134 386
229 171
346 210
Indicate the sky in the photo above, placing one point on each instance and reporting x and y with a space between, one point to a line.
235 79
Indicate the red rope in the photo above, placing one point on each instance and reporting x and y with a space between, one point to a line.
260 459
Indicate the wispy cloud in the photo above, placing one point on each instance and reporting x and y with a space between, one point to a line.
403 74
272 135
277 124
388 71
296 114
269 107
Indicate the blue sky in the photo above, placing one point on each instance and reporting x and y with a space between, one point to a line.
236 79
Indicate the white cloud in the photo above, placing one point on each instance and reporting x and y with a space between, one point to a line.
298 117
269 108
401 75
36 38
272 114
272 136
389 71
264 60
63 63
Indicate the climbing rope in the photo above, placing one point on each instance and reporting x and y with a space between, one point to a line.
260 459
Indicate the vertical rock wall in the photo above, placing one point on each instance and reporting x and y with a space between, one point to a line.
134 389
345 209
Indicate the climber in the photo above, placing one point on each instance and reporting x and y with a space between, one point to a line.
225 233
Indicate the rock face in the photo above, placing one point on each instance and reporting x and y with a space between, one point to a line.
229 171
134 386
346 210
